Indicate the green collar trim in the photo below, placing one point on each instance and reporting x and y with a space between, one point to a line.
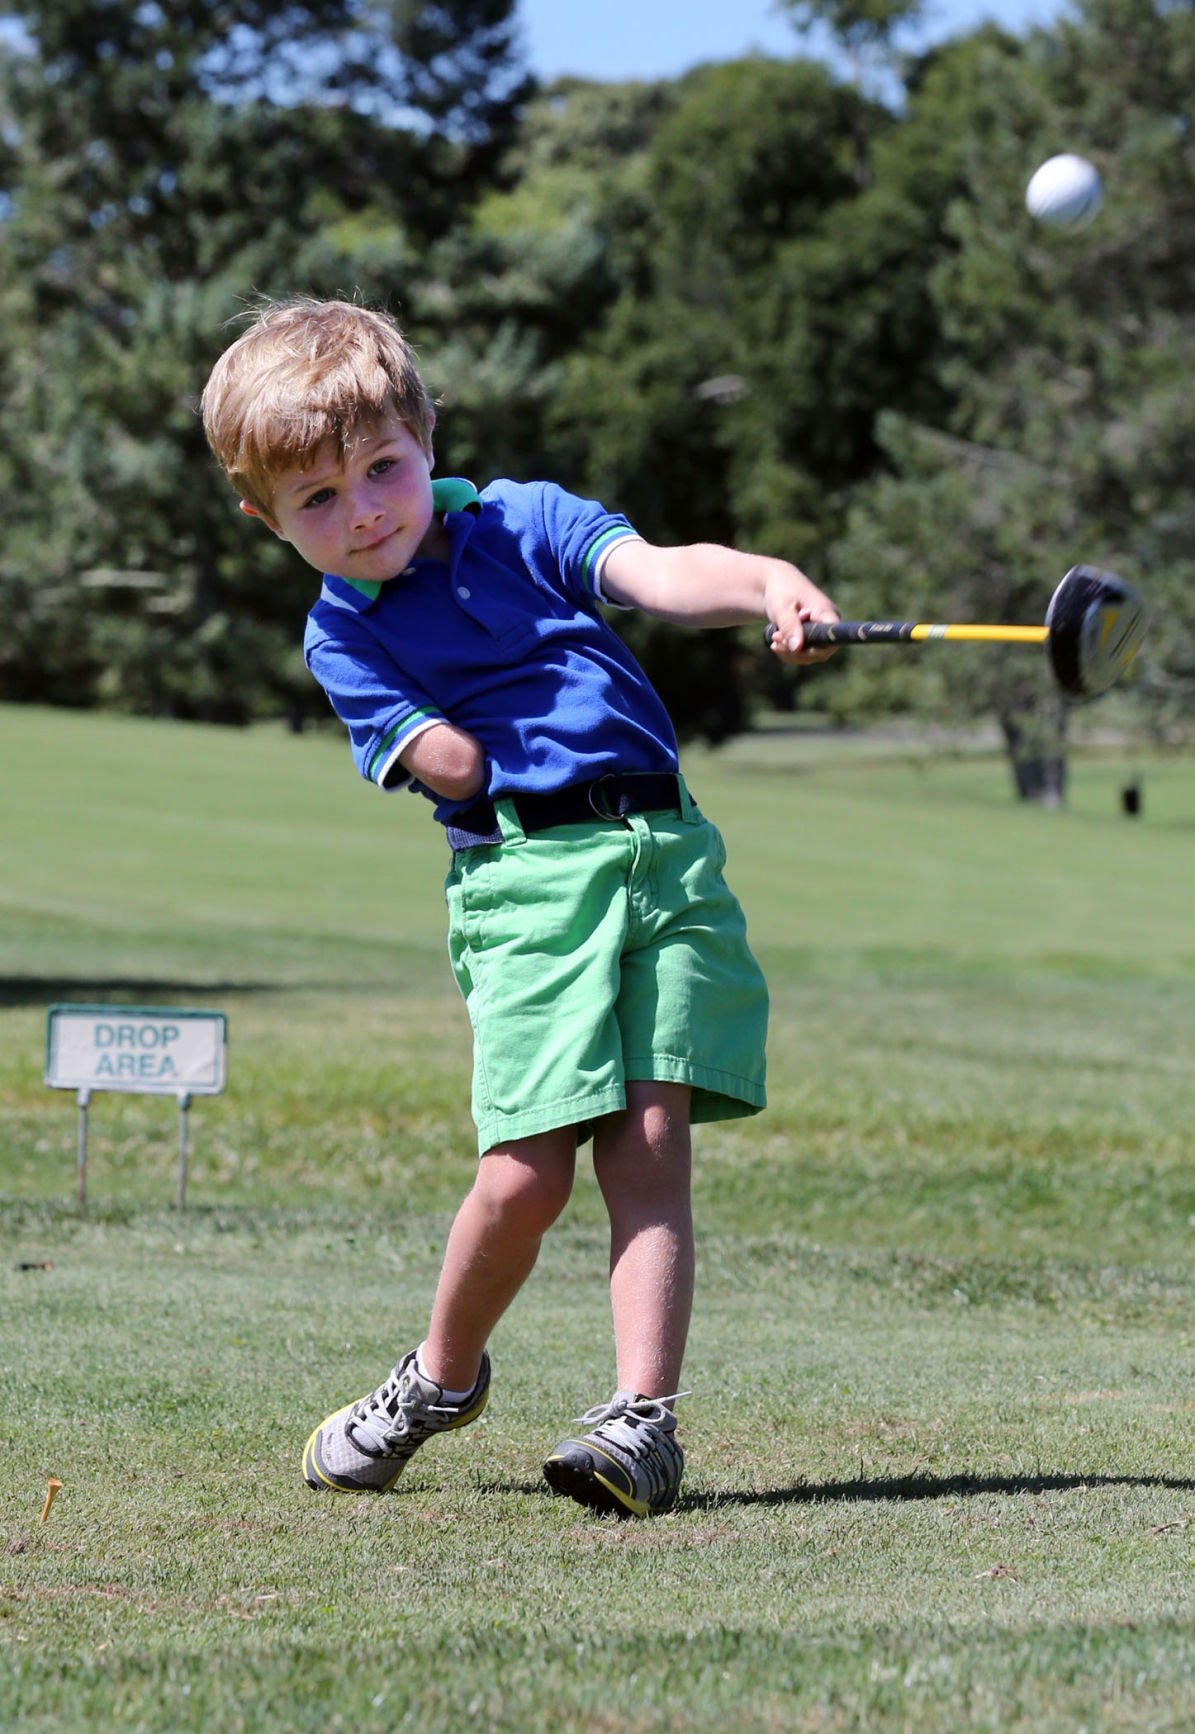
455 494
449 494
364 587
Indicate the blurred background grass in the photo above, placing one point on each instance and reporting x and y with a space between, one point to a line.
982 1011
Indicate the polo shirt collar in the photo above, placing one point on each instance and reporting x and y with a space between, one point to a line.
455 494
449 494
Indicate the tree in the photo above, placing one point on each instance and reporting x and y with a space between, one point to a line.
1062 358
133 232
959 531
745 157
866 31
768 307
461 69
858 23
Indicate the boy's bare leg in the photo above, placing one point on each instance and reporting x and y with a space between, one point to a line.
643 1159
520 1190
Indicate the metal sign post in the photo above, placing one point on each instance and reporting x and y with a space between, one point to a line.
143 1050
83 1098
184 1103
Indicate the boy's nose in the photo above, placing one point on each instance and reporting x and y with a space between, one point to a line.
364 510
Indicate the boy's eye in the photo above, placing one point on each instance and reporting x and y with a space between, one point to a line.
380 467
318 498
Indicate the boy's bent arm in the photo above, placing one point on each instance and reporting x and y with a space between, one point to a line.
704 584
446 760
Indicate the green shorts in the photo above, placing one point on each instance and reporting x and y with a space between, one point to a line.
596 953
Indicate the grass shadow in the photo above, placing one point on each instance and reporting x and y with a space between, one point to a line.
47 990
865 1490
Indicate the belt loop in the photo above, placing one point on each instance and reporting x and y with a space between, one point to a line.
688 806
509 823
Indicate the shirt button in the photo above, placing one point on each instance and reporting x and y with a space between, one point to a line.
464 592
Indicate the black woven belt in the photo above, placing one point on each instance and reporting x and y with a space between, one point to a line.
610 797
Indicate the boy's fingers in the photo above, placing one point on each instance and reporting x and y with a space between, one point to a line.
786 634
786 639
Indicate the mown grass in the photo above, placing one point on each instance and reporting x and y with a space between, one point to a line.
942 1468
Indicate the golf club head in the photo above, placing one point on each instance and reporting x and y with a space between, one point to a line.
1095 623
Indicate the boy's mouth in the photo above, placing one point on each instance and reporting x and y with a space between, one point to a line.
368 547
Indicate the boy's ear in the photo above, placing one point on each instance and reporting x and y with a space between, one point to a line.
251 511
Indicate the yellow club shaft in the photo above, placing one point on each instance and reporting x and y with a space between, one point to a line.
982 634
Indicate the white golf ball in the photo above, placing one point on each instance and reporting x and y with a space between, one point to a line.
1065 192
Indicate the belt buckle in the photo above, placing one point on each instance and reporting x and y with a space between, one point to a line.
596 797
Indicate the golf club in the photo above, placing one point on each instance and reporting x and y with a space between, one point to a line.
1094 627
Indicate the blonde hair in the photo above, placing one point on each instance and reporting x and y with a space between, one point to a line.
303 372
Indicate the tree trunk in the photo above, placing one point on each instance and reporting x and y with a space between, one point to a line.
1037 753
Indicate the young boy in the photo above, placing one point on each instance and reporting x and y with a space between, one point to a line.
603 961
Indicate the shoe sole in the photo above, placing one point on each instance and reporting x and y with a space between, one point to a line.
593 1481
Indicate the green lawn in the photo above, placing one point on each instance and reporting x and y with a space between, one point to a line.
940 1436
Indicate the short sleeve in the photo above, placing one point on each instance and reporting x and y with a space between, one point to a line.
580 534
382 708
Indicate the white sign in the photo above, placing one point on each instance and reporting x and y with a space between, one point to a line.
144 1049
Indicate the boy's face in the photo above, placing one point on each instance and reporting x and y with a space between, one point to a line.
364 515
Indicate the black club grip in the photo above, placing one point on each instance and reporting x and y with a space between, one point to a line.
819 633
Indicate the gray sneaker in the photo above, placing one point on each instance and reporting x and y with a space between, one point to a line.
629 1464
364 1447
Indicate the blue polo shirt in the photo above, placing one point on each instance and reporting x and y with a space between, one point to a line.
505 639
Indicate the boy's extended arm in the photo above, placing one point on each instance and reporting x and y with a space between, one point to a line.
707 585
699 585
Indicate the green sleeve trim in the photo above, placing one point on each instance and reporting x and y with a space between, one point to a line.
385 751
616 533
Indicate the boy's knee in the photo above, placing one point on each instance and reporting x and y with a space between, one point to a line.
652 1128
642 1157
527 1189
